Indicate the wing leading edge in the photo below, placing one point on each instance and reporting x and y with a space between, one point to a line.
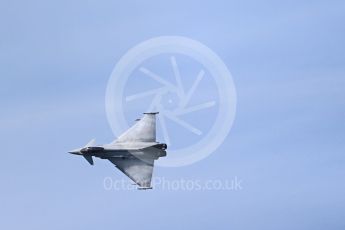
142 131
137 170
139 167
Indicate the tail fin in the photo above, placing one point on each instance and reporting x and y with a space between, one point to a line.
142 131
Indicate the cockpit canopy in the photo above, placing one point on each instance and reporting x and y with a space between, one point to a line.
92 150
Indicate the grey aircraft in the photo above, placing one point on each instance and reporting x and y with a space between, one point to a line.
133 153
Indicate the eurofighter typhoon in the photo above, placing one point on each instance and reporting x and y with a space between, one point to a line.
133 153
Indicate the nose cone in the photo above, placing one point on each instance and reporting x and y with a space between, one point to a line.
75 151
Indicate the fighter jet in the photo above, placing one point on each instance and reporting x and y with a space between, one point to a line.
133 153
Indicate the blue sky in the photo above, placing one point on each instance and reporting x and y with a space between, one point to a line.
286 144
